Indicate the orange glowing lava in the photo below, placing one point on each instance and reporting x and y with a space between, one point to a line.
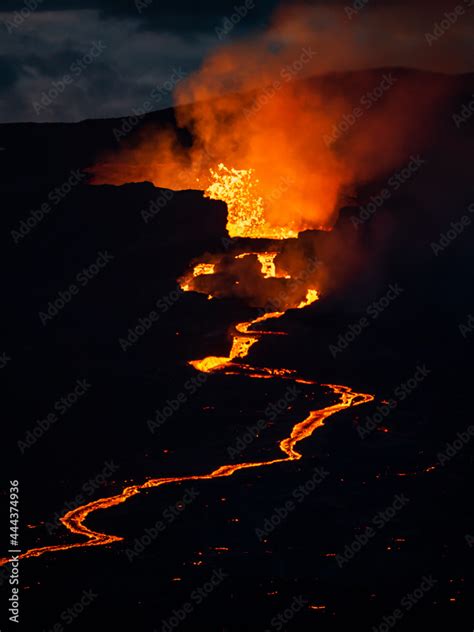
246 207
242 342
245 218
204 268
74 520
267 261
311 297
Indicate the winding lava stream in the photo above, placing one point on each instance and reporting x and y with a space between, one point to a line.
243 340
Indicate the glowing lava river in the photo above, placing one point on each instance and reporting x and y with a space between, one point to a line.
74 520
244 338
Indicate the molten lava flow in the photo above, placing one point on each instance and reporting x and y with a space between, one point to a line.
243 339
199 269
240 348
267 267
74 520
244 327
311 296
204 268
240 345
242 342
246 208
267 261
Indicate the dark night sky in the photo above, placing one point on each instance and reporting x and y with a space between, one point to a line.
148 43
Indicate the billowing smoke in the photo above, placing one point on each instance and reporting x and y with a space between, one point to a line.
257 104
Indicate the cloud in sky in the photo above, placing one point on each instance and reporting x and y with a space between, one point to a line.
146 45
50 46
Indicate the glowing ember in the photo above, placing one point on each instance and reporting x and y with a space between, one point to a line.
246 208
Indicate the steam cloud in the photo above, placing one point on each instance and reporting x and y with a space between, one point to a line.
253 104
